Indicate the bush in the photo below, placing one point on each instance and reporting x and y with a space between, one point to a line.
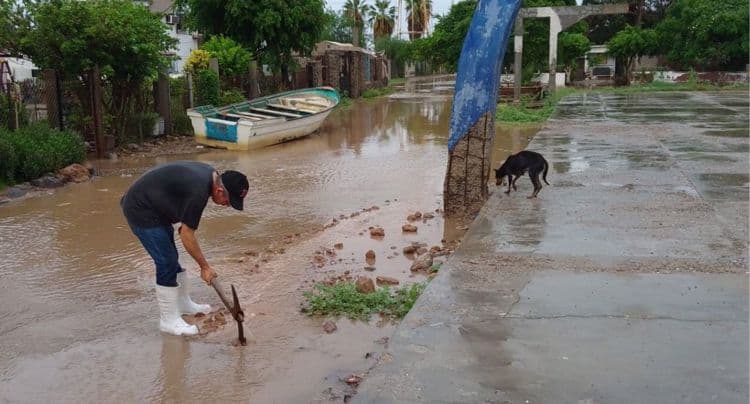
34 150
232 96
207 88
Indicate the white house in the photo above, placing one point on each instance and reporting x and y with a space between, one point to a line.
186 41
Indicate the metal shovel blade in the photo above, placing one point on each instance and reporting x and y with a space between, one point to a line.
233 307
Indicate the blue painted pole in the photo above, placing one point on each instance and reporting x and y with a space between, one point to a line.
472 124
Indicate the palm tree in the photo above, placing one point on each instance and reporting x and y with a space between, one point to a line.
382 18
418 17
356 11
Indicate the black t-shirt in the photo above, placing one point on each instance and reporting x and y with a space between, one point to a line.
169 193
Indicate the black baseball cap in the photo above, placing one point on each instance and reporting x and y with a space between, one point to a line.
236 185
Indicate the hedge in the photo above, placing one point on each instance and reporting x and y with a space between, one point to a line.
34 150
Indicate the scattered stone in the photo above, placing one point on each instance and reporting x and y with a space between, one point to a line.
74 173
353 380
15 192
382 340
421 250
386 280
251 253
428 215
369 268
355 214
410 249
365 285
423 263
370 255
241 260
329 327
377 232
409 228
47 181
134 147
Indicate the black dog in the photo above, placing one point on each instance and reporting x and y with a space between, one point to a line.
520 163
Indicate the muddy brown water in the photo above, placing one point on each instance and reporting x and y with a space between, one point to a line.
79 321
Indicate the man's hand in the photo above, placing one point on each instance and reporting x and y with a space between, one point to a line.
208 274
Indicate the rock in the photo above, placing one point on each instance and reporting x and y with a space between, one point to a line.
15 192
369 268
428 215
418 215
365 285
377 232
370 255
251 253
112 156
353 380
74 173
423 263
134 147
329 327
338 246
47 181
410 249
421 250
386 280
409 228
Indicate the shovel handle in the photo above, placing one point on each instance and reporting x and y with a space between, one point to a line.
220 291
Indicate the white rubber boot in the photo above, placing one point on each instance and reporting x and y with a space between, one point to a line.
171 322
184 303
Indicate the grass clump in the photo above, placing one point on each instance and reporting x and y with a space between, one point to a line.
523 113
344 299
377 92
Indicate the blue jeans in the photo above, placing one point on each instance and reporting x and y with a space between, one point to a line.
159 243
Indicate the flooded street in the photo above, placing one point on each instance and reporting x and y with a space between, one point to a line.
79 321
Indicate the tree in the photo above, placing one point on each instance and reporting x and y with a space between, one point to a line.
571 46
15 22
382 18
271 29
233 59
446 41
418 17
706 34
336 27
355 11
124 39
398 51
630 44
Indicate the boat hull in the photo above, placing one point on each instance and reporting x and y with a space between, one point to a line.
228 128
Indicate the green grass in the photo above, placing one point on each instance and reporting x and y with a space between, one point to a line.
344 299
523 114
377 92
400 80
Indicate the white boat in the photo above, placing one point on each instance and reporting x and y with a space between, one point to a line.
263 121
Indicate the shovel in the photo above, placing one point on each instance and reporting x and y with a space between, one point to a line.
234 308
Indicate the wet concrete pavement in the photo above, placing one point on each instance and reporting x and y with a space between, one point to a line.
625 281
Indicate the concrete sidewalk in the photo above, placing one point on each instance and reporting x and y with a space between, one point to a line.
625 282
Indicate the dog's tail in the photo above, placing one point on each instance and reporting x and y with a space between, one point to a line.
546 168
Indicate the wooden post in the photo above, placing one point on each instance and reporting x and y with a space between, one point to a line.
95 90
517 59
254 88
162 102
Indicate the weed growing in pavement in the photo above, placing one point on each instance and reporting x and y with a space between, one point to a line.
344 299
